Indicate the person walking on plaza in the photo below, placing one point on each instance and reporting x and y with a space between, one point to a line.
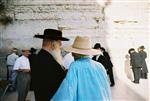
22 66
136 63
143 56
47 72
86 79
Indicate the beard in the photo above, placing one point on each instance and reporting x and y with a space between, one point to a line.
57 56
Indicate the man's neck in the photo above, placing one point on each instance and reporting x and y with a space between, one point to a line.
46 49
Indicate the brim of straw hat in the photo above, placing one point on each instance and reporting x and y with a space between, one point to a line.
82 51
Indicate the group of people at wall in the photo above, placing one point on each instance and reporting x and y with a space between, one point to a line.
84 79
15 65
138 63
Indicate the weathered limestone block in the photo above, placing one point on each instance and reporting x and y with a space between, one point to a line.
39 2
52 11
75 24
24 30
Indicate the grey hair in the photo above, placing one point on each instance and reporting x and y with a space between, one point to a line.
47 41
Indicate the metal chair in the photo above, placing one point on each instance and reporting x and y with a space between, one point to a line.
4 85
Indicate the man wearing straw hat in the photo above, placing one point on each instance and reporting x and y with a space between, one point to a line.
86 79
47 72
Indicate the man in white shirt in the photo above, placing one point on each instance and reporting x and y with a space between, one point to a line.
11 74
22 66
10 63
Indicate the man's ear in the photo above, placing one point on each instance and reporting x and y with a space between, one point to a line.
52 45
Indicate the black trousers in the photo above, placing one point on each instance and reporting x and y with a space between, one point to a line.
111 76
136 73
42 95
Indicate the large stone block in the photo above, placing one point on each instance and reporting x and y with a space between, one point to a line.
39 2
75 24
51 11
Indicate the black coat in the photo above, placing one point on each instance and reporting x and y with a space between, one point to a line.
46 75
106 62
107 57
32 61
135 60
102 60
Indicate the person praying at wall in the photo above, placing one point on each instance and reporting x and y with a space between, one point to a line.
136 63
104 59
143 56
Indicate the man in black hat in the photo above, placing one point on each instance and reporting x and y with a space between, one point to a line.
104 59
143 56
47 72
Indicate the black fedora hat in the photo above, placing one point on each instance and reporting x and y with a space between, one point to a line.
52 34
97 45
32 50
142 47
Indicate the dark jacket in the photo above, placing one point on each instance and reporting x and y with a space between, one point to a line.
106 62
135 60
102 60
32 61
143 56
47 76
109 63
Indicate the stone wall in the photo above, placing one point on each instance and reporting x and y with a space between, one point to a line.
30 17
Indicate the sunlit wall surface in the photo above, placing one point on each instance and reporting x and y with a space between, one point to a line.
128 22
127 27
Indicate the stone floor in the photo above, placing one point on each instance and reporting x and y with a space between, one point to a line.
120 92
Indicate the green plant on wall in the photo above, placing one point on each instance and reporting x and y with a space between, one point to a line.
4 19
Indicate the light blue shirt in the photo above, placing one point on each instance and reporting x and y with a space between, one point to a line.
11 59
86 80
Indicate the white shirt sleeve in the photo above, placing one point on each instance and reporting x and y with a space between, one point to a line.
68 59
17 64
22 63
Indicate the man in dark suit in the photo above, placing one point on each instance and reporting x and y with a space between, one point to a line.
136 63
109 66
143 56
104 59
47 72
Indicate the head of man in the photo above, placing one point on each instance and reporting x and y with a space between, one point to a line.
131 50
141 48
26 52
52 42
54 48
33 50
14 50
97 46
82 47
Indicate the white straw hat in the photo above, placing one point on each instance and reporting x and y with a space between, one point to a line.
82 45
